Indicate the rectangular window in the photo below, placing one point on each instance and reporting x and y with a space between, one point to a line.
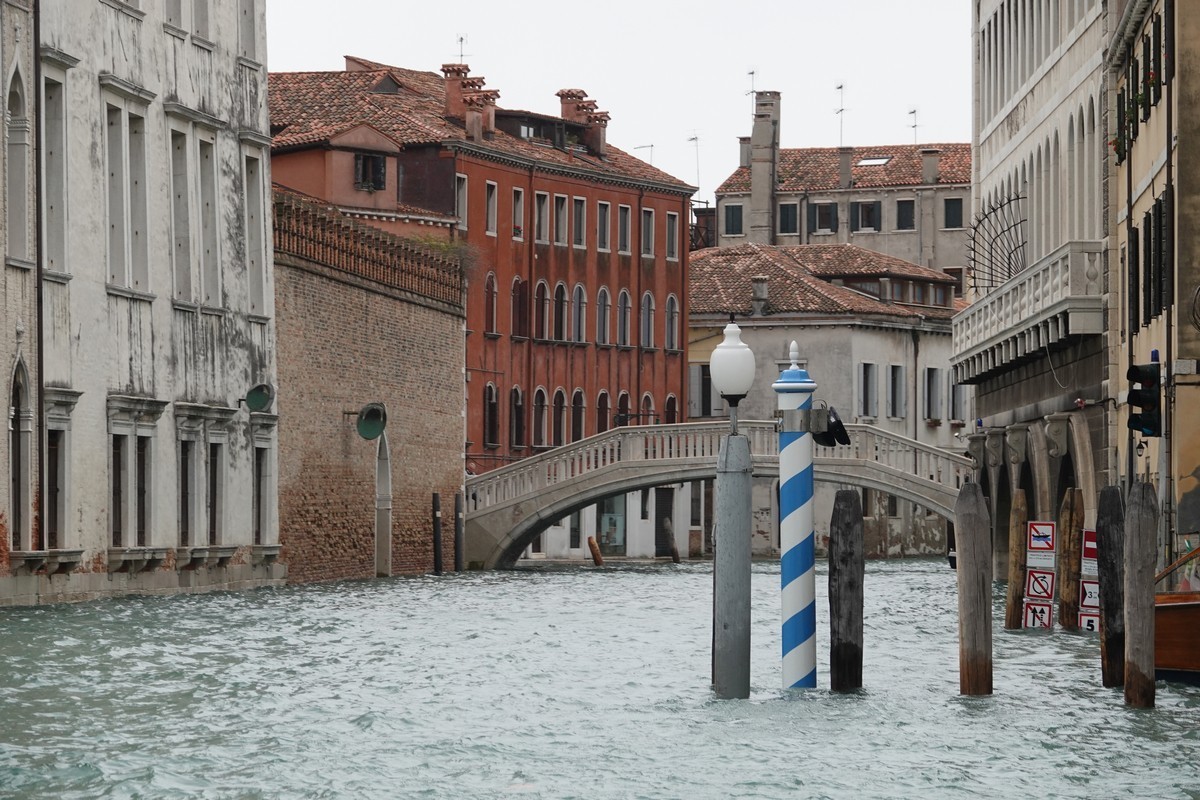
576 535
541 213
115 146
647 232
958 402
129 490
906 219
560 219
174 13
117 480
953 212
579 222
200 19
216 486
865 216
142 483
247 30
789 219
210 266
139 210
603 224
186 491
957 274
56 481
895 403
370 172
54 138
933 393
672 236
867 390
181 216
256 255
623 224
259 505
490 207
823 217
518 214
460 200
733 219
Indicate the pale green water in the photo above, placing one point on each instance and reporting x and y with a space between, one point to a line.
577 684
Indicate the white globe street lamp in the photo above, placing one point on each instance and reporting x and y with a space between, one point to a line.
732 370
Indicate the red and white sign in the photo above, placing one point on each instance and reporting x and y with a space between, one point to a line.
1038 615
1089 621
1039 584
1089 595
1041 537
1091 552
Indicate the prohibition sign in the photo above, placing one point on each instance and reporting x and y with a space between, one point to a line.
1039 584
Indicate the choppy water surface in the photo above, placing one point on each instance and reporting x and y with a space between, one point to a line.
585 683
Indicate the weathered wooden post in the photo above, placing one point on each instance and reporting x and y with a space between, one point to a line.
1110 563
1070 537
1018 522
459 532
973 537
846 570
437 533
597 559
1141 542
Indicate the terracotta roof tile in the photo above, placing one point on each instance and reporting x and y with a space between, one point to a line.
799 280
818 168
308 108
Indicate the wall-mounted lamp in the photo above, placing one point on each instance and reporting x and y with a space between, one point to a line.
1141 448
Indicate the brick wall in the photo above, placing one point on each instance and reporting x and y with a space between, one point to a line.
363 320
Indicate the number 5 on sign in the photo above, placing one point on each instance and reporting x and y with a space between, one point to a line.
1089 622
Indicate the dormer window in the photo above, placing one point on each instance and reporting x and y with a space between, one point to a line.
370 172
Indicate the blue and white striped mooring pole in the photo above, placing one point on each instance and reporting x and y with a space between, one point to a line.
798 578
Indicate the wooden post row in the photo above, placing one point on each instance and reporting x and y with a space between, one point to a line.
1141 546
1070 537
973 537
1018 521
846 572
1110 563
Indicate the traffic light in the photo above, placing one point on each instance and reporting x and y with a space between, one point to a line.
834 434
1147 422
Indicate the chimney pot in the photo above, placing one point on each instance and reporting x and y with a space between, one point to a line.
743 151
930 158
845 168
758 294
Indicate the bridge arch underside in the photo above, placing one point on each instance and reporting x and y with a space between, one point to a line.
497 538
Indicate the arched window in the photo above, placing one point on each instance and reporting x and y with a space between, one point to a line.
560 313
603 307
577 409
489 303
671 412
520 308
17 135
579 314
560 417
623 311
671 336
622 417
539 418
602 412
491 416
647 413
516 418
541 302
647 320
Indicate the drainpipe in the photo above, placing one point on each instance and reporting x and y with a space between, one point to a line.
39 315
1129 462
1168 501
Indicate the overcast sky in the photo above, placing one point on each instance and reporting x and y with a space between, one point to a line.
674 76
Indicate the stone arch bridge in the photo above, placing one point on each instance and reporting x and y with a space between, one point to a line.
506 508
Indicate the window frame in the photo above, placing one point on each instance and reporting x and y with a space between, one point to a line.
579 223
490 202
624 230
726 217
647 231
603 226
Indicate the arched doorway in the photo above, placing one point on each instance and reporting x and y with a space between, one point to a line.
383 509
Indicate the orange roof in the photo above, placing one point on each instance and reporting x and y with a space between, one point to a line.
813 169
309 108
798 280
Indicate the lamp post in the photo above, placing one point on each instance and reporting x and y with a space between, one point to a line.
732 371
797 553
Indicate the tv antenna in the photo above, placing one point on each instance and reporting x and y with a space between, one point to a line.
751 92
695 139
462 40
651 148
913 114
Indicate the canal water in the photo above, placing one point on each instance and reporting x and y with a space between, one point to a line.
573 683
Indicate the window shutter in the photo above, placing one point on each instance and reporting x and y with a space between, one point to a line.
853 217
811 217
878 215
835 209
901 392
1168 247
1157 272
1147 268
1133 277
862 395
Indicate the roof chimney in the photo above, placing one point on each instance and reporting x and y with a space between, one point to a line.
571 100
764 161
479 113
845 168
930 156
743 151
578 109
455 75
758 294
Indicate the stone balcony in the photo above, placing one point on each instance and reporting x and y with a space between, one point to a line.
1059 297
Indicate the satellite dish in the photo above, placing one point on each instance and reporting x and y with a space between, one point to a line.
372 420
260 397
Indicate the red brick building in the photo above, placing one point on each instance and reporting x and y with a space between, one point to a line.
363 317
577 283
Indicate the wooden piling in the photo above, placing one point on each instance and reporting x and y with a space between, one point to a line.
1110 563
597 559
1070 539
459 532
1018 524
1141 545
973 537
437 533
846 571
